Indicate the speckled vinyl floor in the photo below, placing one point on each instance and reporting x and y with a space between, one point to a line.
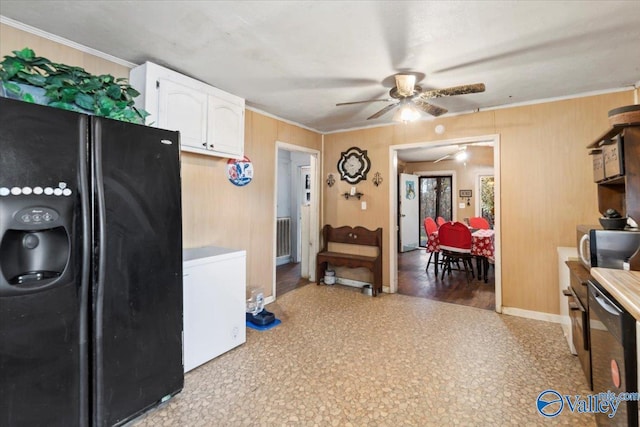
341 358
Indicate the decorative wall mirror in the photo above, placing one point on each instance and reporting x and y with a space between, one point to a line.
354 165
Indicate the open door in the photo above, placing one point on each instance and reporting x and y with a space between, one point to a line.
409 222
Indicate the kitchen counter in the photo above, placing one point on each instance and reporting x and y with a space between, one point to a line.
623 285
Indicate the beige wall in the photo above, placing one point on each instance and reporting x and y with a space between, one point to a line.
546 183
215 212
480 161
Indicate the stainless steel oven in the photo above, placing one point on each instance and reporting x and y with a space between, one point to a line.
613 354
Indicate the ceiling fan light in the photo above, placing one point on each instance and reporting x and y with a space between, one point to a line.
406 113
462 156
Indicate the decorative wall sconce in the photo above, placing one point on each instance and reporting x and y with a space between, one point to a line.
330 180
377 179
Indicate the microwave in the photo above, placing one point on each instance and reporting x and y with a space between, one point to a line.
606 248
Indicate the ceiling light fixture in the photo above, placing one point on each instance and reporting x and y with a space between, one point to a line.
406 113
462 155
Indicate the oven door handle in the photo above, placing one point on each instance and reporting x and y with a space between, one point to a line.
606 305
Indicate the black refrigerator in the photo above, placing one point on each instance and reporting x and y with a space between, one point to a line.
90 268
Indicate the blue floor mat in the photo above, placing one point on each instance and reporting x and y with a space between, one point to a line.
265 327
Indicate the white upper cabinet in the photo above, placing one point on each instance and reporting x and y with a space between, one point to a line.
184 109
226 120
210 121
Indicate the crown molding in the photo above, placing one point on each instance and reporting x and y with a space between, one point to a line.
40 33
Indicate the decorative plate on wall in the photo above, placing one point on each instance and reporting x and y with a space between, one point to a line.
240 172
354 165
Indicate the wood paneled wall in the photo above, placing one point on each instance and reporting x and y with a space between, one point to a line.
215 212
546 178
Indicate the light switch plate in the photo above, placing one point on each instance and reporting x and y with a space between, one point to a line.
460 205
363 206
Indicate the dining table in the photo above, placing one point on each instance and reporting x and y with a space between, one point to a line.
482 248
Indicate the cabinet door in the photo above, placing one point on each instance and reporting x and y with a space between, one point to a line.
183 109
226 127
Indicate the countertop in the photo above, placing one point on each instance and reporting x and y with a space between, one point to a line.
623 285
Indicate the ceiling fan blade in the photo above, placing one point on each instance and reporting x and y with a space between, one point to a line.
434 110
383 111
446 156
364 102
451 91
405 84
455 153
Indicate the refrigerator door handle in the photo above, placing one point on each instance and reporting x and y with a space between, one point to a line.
100 260
85 279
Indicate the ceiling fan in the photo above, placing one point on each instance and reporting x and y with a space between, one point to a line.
459 154
412 98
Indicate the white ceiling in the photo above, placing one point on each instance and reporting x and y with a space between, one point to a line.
297 59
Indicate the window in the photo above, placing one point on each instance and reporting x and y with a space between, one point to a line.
487 196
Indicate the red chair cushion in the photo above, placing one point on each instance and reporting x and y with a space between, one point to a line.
479 222
455 236
430 225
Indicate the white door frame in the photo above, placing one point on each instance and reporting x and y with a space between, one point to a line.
314 214
393 208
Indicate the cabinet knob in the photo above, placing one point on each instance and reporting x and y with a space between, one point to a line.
210 145
204 144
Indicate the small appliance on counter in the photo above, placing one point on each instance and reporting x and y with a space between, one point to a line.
607 248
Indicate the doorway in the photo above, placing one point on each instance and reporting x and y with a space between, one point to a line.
493 140
297 211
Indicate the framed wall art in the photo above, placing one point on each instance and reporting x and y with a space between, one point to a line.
354 165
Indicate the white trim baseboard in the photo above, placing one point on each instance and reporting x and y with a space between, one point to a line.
536 315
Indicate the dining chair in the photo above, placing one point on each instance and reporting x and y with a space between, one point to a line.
430 227
440 221
455 245
479 222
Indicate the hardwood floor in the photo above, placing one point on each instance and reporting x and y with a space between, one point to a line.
415 281
288 278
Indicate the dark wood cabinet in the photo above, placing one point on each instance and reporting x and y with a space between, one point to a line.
621 192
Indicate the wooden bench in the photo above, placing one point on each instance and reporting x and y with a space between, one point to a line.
352 236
